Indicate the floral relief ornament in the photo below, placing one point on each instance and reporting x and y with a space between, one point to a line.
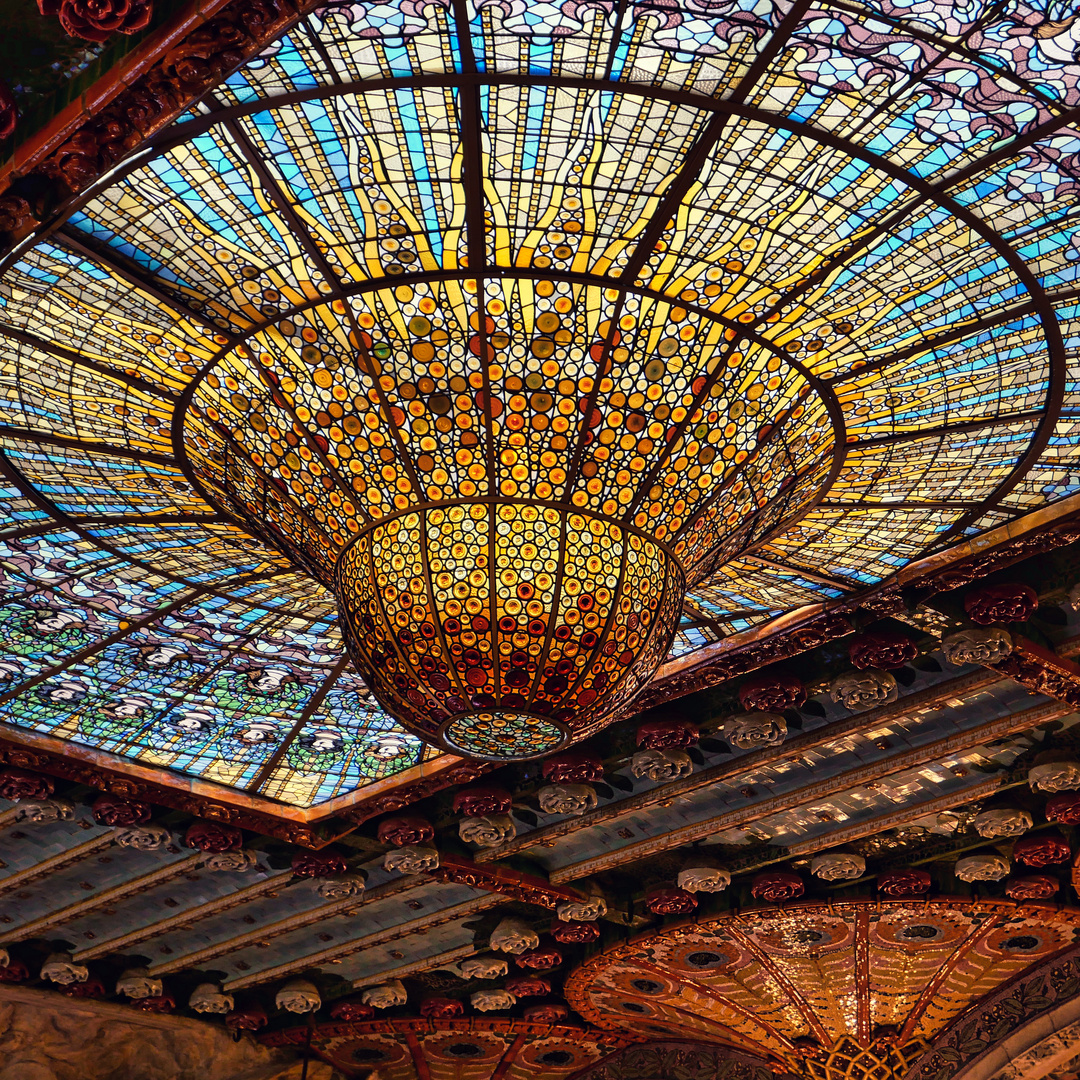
901 884
593 907
483 967
142 837
991 824
341 888
492 1000
1054 771
838 866
668 733
60 969
575 767
863 690
982 868
250 1019
405 831
1064 808
386 996
706 879
441 1008
751 731
1041 849
44 811
137 983
989 646
882 649
235 862
487 831
18 784
1032 887
298 996
208 998
572 799
991 604
772 693
98 20
661 766
109 810
414 859
777 886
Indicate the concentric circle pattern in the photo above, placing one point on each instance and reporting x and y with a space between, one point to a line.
786 289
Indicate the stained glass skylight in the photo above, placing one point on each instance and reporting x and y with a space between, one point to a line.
835 242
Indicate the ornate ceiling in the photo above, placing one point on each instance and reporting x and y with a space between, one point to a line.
633 440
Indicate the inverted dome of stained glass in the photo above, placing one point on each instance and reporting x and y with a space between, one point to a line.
499 327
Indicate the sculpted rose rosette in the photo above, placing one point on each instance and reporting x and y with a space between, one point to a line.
528 986
342 888
670 900
59 968
250 1019
568 933
42 811
992 824
1032 887
18 784
777 886
482 801
982 868
666 734
514 936
298 996
838 866
661 766
9 114
772 693
901 884
488 831
94 989
882 649
109 810
1064 808
136 983
212 838
441 1008
98 20
318 864
1062 773
387 996
588 910
549 1013
14 971
491 1000
231 862
751 731
989 646
991 604
572 799
207 998
575 767
1041 849
543 959
142 837
403 831
703 879
483 967
158 1003
415 859
862 690
349 1012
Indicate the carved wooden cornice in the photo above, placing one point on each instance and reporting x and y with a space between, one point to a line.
526 888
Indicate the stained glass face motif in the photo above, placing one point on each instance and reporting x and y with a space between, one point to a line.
428 297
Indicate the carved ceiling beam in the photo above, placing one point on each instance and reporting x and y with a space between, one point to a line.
789 750
428 963
854 778
183 919
61 861
317 913
141 884
419 925
895 819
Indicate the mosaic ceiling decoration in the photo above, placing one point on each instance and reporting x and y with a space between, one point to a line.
842 991
486 345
